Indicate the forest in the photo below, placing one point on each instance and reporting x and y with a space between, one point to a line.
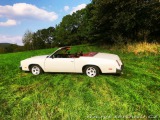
109 22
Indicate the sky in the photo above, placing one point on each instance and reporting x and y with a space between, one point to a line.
18 16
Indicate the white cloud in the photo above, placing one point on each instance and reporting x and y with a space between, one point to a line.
11 39
79 7
66 8
20 11
8 23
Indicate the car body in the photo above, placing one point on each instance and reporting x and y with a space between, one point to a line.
61 60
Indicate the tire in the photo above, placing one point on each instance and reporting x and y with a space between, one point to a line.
91 71
36 70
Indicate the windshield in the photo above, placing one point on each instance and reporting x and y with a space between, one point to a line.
62 51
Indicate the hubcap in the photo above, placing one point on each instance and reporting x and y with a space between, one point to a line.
36 70
91 72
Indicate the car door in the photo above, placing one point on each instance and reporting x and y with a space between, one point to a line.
59 65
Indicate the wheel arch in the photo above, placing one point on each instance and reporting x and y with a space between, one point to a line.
83 68
29 67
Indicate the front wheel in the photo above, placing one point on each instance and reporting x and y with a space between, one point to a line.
91 71
36 70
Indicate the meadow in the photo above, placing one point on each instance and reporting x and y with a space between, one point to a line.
133 95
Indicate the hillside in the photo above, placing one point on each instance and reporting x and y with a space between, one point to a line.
9 48
3 45
78 97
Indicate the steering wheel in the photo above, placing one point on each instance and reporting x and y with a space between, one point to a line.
80 53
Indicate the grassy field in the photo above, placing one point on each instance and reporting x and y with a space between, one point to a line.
135 94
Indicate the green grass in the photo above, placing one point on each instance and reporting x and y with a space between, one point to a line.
136 93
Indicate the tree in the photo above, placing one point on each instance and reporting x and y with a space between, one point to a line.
74 29
116 20
28 40
43 38
65 31
38 40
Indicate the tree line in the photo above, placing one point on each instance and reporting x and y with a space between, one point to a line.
9 48
102 22
41 39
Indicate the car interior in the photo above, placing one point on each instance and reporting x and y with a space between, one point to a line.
65 53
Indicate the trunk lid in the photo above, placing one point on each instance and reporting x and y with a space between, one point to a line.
107 56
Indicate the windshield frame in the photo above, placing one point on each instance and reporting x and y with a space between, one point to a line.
59 50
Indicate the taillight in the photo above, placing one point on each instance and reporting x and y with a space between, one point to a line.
118 62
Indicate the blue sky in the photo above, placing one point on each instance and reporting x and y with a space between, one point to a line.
18 16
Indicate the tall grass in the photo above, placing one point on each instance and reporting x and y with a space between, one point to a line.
135 94
143 47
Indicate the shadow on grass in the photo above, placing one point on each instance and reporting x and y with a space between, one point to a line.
80 74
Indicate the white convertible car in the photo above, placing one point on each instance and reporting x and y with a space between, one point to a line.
61 60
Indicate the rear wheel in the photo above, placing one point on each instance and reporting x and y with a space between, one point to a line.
36 70
92 71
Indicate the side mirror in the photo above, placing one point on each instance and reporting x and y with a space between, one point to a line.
52 56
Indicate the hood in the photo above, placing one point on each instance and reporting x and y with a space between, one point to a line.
106 56
37 57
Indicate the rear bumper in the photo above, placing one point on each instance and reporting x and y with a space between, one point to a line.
119 71
20 67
